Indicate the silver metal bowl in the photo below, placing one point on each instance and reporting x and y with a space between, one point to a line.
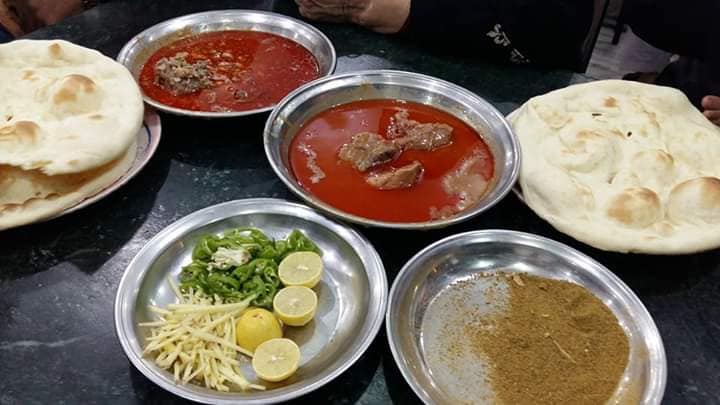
352 295
432 272
134 54
322 94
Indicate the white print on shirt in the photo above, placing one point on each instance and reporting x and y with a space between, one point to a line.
501 39
499 36
517 57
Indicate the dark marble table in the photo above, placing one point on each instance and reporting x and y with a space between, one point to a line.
58 279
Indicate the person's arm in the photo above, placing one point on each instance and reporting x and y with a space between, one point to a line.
711 104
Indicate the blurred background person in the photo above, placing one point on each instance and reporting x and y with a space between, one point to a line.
547 32
541 32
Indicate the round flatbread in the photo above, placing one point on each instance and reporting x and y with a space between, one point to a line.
65 109
622 166
27 196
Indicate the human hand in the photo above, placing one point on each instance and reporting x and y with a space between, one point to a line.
711 104
385 16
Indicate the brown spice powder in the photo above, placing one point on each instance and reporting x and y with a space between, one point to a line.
556 344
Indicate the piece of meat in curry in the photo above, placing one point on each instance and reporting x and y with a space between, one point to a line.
410 134
367 150
178 76
396 178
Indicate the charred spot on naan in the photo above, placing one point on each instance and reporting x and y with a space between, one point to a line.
659 159
29 75
75 94
664 228
642 107
584 137
22 132
71 86
637 207
55 50
584 151
553 117
610 102
696 201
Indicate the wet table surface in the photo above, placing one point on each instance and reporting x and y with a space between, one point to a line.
58 279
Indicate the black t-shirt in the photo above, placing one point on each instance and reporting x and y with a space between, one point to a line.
542 32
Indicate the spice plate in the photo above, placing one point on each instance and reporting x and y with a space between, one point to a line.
433 275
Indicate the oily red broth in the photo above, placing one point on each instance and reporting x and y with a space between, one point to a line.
345 188
263 67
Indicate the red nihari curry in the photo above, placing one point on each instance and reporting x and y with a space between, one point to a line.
392 160
227 71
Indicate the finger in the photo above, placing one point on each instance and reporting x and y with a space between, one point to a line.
311 4
312 14
308 6
305 6
711 103
355 6
312 11
713 115
332 7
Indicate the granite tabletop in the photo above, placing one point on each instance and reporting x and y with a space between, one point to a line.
58 279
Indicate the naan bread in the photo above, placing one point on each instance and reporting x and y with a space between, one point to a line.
622 166
65 109
27 196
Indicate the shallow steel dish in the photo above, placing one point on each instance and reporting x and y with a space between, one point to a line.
455 258
134 54
352 295
322 94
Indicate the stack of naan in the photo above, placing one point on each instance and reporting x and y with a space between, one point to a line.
69 119
622 166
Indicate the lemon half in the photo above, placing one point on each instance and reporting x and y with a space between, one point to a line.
295 305
301 268
276 359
